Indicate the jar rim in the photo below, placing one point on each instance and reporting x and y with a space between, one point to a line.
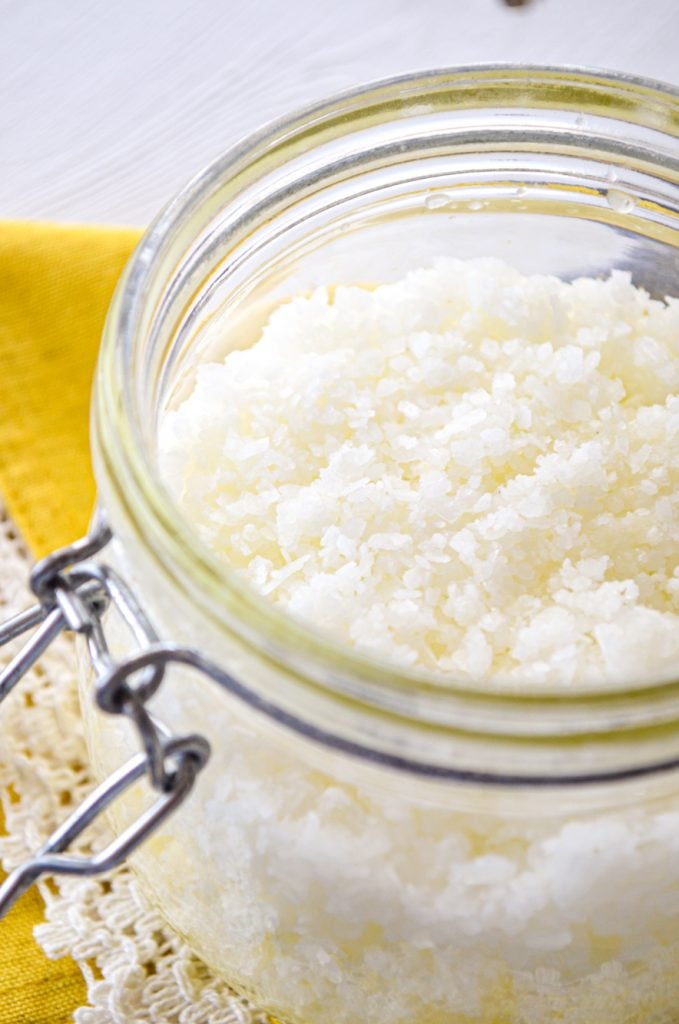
126 459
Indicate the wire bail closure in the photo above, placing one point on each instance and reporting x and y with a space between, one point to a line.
73 594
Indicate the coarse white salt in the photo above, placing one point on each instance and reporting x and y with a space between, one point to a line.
473 473
530 425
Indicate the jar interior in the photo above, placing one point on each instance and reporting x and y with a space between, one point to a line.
542 191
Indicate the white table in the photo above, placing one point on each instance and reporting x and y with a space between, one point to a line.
107 108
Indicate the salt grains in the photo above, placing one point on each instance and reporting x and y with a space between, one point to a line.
473 473
469 470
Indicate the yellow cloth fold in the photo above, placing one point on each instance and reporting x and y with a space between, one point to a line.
55 286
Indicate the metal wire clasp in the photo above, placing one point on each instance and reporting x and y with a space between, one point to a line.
73 593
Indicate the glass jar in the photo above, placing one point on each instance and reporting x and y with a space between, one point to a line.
365 845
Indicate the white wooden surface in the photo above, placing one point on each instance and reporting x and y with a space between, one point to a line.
106 108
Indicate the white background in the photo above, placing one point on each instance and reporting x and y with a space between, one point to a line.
106 108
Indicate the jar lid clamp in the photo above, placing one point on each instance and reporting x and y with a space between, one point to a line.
73 595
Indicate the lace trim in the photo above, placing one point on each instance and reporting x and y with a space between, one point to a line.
136 969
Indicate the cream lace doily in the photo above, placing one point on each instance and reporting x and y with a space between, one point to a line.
136 969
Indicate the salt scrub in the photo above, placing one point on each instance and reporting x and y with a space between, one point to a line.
468 471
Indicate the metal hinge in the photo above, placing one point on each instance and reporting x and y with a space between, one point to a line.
72 594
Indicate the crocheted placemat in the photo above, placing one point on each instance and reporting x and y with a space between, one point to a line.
137 971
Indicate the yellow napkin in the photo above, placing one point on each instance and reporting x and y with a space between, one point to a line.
55 286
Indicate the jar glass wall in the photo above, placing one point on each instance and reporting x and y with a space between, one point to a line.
365 844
